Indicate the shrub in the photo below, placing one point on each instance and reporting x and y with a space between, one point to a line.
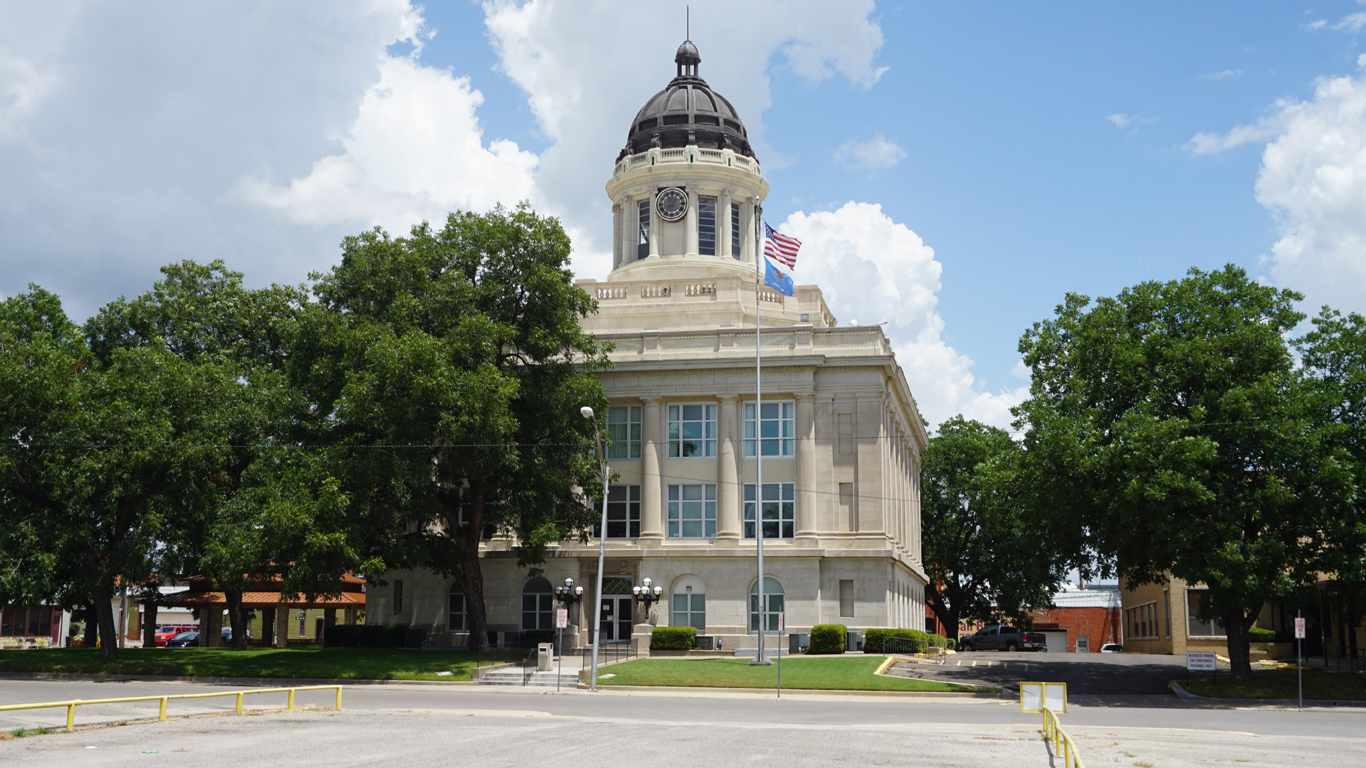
1260 635
939 641
828 638
673 639
342 636
364 636
894 641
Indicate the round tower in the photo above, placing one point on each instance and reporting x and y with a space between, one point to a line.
686 185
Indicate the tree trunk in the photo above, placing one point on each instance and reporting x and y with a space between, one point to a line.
104 611
948 615
470 575
149 622
1239 650
92 625
236 620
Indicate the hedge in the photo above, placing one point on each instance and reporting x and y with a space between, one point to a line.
875 641
1260 635
828 638
673 639
364 636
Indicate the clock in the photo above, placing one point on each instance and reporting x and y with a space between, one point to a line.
671 204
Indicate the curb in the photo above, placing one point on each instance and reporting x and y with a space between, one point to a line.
273 682
796 691
1182 693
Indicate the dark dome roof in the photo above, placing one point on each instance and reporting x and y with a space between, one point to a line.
687 112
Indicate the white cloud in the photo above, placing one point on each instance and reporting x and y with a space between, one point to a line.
1120 120
873 154
1123 121
1317 24
872 269
1352 23
587 67
1222 75
1313 178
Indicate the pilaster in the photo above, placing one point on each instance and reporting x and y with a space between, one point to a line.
728 458
652 471
806 466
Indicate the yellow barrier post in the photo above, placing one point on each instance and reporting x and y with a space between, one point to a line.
161 712
71 717
239 702
339 698
291 700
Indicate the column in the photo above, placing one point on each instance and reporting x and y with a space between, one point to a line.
652 469
728 489
654 229
806 466
618 244
690 224
350 615
747 235
723 224
282 626
268 626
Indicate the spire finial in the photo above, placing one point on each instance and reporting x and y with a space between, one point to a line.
687 22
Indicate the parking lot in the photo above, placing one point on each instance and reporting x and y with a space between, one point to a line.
1086 674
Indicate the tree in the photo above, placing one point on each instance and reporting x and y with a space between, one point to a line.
1170 424
448 369
987 553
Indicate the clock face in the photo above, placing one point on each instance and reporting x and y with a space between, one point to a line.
672 204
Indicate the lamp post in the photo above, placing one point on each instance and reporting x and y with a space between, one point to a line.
647 596
587 413
567 595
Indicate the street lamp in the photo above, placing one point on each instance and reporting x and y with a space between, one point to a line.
568 594
587 413
646 596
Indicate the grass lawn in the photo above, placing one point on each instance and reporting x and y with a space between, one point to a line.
329 663
1284 684
827 674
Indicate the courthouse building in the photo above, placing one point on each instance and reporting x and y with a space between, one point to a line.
841 467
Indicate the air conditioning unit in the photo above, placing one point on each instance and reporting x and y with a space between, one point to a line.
855 640
798 643
706 643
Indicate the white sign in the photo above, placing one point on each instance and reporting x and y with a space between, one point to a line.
1299 629
1036 697
561 618
1200 661
782 623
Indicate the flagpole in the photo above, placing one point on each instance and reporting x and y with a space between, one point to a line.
759 658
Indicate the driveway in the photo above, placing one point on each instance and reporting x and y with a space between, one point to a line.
1089 674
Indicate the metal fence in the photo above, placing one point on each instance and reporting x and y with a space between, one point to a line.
161 714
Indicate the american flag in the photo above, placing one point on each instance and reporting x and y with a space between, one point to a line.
781 247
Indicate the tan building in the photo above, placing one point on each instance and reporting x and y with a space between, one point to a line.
840 432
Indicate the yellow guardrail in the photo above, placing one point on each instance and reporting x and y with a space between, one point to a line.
1053 732
161 715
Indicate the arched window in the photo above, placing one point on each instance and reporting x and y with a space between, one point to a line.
690 603
773 599
458 619
538 603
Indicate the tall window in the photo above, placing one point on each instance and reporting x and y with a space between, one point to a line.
623 513
779 510
643 222
690 604
735 230
537 605
692 431
773 604
623 425
777 426
1195 599
457 619
692 511
706 226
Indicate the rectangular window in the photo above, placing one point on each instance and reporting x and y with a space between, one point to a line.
457 621
777 426
398 597
537 611
623 513
643 222
1142 621
692 431
735 230
1195 598
690 610
692 511
706 226
779 510
623 425
846 598
1167 614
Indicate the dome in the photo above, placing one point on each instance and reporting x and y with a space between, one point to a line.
687 112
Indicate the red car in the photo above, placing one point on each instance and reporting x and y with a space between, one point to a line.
167 631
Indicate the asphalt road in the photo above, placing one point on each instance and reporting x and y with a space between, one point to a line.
428 725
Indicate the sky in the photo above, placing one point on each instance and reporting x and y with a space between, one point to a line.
954 170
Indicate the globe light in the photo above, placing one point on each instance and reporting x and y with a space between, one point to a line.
587 412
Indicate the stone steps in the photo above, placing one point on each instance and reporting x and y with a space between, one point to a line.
567 678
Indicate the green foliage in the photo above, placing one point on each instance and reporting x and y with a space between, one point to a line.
986 551
673 639
1169 424
1260 635
874 641
828 638
460 354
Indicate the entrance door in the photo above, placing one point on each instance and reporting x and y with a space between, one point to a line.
616 618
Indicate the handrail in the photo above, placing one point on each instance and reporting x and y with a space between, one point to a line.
161 715
1054 734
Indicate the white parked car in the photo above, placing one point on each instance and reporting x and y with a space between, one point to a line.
1112 648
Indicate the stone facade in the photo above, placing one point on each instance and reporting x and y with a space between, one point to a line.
680 308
